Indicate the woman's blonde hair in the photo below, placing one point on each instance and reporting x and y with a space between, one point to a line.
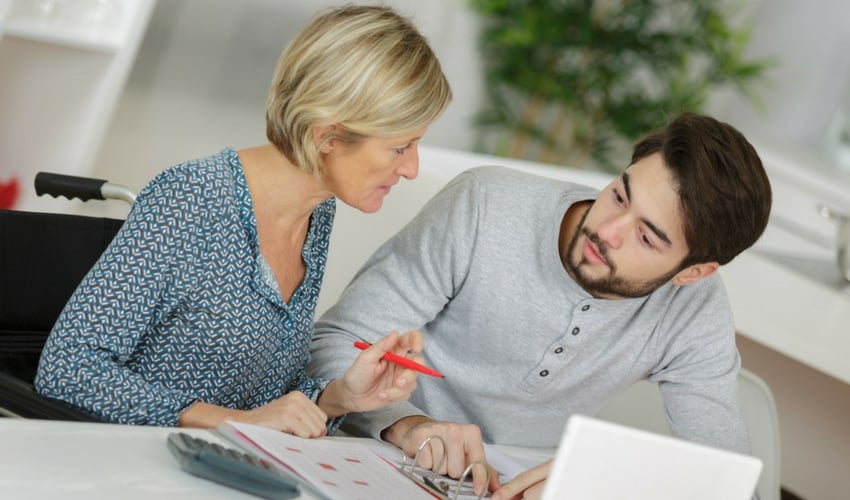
364 68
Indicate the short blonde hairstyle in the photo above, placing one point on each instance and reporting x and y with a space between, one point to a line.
364 68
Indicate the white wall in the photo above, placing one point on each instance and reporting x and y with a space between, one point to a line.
804 98
809 41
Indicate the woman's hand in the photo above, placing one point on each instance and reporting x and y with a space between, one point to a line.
372 382
369 384
526 486
293 413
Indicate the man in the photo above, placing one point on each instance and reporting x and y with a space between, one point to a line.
538 299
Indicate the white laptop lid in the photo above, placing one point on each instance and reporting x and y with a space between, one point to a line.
599 460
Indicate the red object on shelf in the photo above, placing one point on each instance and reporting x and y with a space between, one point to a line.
9 192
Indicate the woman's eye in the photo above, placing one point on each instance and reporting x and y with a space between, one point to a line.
400 151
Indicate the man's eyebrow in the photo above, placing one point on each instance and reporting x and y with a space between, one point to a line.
662 235
658 231
626 187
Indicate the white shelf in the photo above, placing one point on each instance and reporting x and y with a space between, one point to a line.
106 31
91 55
62 37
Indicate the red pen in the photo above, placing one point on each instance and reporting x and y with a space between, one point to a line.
401 360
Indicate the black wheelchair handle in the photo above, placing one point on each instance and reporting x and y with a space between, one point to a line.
69 186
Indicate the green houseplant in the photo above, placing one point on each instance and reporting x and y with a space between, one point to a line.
575 81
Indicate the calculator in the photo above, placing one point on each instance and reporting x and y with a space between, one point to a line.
231 467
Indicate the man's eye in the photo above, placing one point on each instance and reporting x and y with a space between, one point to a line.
617 197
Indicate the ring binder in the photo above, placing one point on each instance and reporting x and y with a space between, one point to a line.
436 484
341 469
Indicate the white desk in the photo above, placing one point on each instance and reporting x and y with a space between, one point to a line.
52 459
41 459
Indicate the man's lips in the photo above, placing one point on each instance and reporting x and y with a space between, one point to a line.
591 253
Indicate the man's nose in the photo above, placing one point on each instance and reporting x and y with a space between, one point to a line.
613 230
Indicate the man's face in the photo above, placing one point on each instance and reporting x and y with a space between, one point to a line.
630 241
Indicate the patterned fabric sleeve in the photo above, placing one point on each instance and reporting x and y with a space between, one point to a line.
139 278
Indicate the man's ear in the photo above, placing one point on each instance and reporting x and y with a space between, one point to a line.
323 137
694 273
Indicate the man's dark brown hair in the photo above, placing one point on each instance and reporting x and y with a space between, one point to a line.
723 188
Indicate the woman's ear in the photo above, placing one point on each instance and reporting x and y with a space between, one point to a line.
323 137
694 273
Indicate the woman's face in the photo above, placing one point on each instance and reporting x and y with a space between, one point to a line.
362 174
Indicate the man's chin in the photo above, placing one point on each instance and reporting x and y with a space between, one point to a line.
585 271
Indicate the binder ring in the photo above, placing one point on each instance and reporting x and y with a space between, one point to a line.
467 472
439 486
442 486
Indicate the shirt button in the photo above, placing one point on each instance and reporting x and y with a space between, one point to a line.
585 307
575 331
559 350
543 373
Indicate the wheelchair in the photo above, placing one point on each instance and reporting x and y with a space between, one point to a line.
43 258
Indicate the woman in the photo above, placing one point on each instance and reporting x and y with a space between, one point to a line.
201 310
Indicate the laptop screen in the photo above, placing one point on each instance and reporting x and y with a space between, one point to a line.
601 460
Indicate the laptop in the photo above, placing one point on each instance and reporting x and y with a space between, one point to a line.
599 460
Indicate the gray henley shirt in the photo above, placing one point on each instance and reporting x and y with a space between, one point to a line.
522 346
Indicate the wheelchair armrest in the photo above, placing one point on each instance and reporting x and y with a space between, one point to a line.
19 399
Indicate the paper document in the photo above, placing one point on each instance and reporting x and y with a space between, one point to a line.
357 469
338 469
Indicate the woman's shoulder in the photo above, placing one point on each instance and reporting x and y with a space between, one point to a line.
202 169
199 177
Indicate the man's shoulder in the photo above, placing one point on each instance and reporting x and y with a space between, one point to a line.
704 302
498 177
501 173
707 289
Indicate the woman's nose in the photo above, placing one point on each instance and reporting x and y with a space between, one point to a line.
409 169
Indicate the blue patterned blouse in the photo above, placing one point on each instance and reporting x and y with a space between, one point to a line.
182 307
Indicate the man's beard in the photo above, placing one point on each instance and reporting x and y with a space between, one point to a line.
610 286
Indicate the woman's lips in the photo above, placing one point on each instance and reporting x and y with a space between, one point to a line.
385 188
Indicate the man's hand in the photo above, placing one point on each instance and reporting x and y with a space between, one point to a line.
371 382
463 443
526 486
